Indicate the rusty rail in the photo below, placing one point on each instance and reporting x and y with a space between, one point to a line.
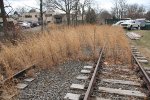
18 74
146 78
93 79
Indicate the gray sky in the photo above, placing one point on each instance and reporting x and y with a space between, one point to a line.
103 4
107 4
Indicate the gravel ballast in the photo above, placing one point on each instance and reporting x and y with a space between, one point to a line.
53 83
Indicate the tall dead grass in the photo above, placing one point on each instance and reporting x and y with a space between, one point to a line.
63 43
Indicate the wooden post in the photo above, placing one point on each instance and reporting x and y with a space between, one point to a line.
94 44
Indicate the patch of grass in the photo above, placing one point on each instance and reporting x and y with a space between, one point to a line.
145 40
61 43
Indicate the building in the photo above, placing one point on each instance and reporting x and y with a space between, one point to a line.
62 18
48 17
34 16
29 16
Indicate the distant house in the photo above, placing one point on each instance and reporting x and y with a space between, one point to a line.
48 17
29 16
59 18
62 18
34 16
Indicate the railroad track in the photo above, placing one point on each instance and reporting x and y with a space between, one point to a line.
20 79
143 73
111 82
103 81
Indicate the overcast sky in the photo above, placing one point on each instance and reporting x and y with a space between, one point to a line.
107 4
103 4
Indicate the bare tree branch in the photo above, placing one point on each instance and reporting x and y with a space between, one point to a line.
64 5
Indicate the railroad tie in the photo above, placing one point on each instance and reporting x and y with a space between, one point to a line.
88 67
122 92
121 82
98 98
81 77
77 86
136 52
29 79
147 68
141 57
143 61
148 72
85 71
71 96
21 85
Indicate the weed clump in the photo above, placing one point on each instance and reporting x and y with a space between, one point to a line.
63 43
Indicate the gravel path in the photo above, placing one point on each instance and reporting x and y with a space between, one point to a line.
52 84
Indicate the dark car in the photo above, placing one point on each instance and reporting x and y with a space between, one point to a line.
33 24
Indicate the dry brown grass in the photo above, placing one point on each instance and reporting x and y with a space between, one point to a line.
1 77
9 90
30 73
63 43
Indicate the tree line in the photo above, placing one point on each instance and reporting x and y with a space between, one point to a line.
120 9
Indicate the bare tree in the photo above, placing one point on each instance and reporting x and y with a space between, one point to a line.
115 9
41 15
3 15
135 11
84 4
76 9
120 8
91 16
147 15
20 10
64 5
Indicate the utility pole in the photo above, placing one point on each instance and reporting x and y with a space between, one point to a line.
41 14
3 15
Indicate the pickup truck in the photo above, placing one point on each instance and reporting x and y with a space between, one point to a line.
130 24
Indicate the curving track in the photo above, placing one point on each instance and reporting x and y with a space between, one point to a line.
104 81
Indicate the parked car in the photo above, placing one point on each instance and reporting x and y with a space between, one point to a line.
147 25
130 24
141 22
118 23
35 24
24 25
31 24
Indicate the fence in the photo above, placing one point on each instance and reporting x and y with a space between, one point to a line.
111 21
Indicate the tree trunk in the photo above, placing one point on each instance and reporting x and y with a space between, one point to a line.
76 22
3 15
82 15
41 14
76 14
68 18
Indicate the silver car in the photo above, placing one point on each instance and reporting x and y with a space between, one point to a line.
24 25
